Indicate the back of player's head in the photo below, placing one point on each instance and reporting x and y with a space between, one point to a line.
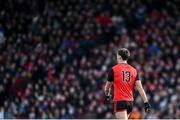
124 53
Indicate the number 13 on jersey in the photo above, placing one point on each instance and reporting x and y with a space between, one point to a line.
126 75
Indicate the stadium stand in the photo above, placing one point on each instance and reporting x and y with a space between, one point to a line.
55 55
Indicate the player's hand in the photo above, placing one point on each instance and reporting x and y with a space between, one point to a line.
109 98
147 107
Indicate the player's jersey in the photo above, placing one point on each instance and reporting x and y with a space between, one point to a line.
124 76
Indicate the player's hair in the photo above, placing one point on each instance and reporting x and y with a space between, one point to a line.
124 53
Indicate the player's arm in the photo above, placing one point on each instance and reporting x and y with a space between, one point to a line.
108 85
107 89
141 91
138 86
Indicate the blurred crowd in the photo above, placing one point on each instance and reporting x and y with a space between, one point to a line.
55 56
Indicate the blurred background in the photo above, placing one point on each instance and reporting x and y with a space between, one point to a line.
55 56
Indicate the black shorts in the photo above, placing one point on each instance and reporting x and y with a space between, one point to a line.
123 105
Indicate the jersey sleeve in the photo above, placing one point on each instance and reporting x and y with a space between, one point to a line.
137 77
110 76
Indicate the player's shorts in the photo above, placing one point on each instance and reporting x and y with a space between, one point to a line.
123 105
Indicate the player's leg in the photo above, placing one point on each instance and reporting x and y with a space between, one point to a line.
121 114
120 109
128 115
